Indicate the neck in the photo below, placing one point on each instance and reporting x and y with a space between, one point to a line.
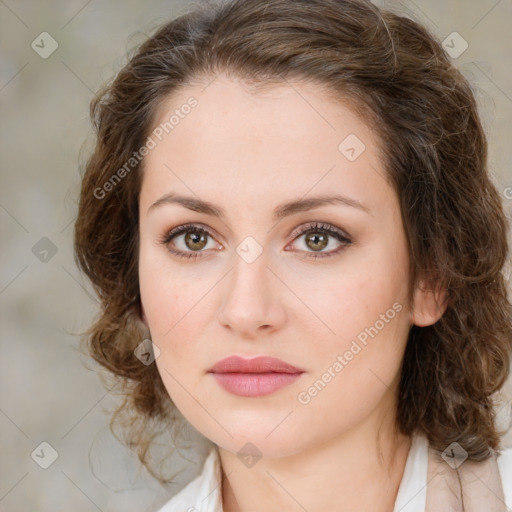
358 470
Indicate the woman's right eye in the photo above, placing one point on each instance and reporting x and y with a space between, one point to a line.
190 239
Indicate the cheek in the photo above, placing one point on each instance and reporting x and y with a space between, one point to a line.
163 297
375 281
368 322
169 316
175 312
358 366
357 299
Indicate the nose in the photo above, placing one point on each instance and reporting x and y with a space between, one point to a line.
252 304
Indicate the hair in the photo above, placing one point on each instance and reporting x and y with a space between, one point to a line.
392 71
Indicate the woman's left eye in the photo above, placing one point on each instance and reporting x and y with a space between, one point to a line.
317 237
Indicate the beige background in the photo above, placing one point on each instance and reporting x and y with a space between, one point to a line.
47 392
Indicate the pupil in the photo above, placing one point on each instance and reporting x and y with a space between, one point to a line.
319 240
198 240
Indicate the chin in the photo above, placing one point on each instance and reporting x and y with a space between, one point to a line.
268 439
258 446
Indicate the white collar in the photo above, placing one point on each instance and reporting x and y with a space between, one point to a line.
412 492
204 493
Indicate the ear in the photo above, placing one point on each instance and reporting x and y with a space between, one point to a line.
429 303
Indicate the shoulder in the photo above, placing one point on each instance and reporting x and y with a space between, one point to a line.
505 467
204 493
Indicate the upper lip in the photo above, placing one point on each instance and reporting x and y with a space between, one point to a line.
263 364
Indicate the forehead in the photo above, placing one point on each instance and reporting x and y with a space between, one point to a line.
267 109
283 139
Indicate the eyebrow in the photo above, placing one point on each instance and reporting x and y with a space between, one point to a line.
284 210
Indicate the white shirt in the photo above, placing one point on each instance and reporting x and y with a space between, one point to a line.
204 493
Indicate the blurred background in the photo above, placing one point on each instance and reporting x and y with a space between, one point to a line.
56 451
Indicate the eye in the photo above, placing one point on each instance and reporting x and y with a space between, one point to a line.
191 239
317 236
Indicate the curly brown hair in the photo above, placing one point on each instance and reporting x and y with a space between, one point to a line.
396 75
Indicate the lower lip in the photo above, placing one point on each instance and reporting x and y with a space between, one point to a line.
254 384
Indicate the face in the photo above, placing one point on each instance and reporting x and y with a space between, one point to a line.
233 271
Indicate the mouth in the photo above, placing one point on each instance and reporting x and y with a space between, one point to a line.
254 377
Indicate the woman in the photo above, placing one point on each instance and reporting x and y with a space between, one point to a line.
291 200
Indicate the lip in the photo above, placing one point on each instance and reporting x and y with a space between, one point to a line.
254 377
262 364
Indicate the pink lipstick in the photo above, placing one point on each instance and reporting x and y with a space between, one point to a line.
254 377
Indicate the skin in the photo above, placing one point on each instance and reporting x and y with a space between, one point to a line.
249 152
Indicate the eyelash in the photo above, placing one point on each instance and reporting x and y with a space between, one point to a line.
313 227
